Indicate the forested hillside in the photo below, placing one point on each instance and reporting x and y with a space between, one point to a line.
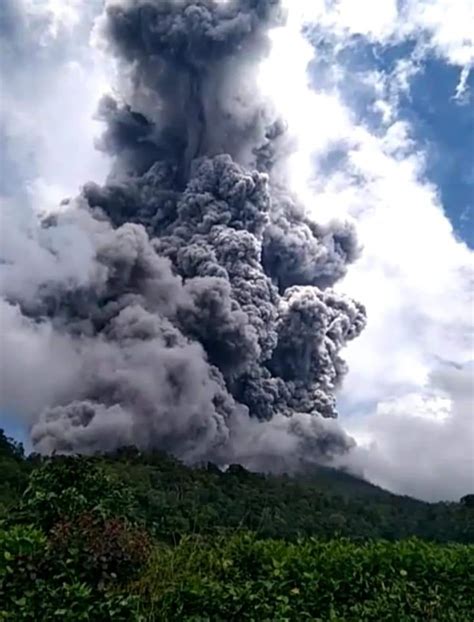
142 537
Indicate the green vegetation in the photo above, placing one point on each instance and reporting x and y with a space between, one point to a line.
243 578
134 537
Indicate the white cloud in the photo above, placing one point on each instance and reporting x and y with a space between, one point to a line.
448 25
422 443
442 25
416 278
441 28
60 15
462 93
49 363
52 79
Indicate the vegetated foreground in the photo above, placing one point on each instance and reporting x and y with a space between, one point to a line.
135 537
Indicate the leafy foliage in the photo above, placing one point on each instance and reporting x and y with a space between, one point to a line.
468 501
68 486
36 584
132 537
14 469
102 549
174 499
243 578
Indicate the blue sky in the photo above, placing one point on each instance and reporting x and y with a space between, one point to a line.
389 128
14 428
441 124
446 126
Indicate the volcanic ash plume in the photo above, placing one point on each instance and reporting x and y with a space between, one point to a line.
203 322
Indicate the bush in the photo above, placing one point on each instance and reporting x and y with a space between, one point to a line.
100 550
14 469
67 486
468 501
37 584
246 579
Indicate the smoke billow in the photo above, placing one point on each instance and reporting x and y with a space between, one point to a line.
203 322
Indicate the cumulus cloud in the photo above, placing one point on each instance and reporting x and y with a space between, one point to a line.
51 81
421 443
436 24
414 275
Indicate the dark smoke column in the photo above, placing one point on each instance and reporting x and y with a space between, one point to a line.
210 329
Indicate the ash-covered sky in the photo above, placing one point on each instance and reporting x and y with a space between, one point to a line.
381 102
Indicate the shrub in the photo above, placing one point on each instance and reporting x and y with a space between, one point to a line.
101 550
67 486
242 578
37 584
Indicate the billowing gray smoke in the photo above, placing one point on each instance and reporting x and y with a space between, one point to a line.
205 325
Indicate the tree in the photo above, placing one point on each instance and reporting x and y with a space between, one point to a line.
64 487
468 501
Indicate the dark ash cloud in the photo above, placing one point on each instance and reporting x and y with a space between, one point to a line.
204 323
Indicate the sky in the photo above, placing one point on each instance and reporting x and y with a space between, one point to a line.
381 103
